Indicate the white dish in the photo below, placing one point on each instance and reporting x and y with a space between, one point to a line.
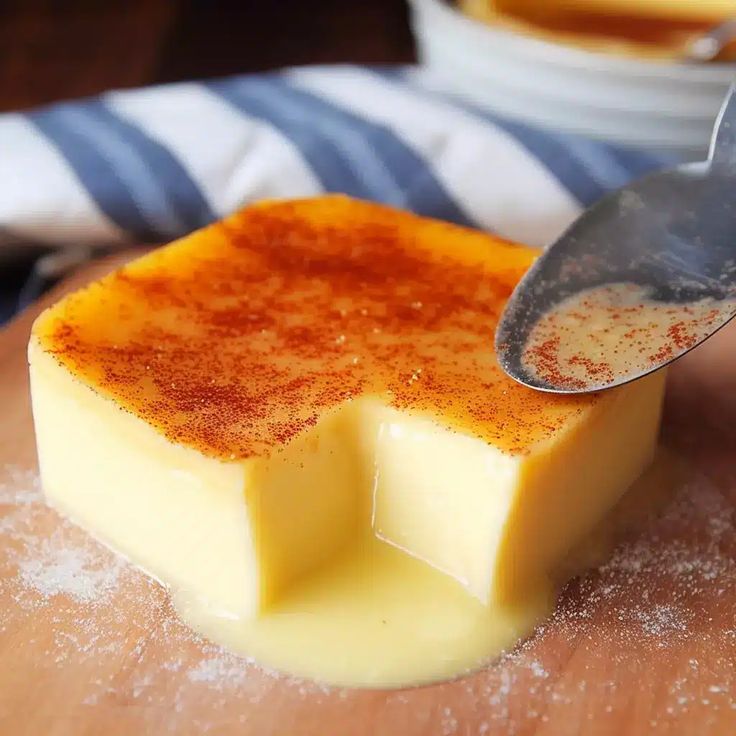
654 104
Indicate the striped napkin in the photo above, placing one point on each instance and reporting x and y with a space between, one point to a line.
151 164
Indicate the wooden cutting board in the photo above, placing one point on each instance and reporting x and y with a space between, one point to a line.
647 644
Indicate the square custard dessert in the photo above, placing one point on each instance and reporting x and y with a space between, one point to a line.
304 399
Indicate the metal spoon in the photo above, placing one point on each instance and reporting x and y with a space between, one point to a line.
671 234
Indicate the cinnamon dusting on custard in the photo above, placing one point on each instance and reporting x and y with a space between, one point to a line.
235 339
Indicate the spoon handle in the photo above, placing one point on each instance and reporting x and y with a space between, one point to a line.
723 142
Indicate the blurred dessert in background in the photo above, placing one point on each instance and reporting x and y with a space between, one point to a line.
640 28
623 71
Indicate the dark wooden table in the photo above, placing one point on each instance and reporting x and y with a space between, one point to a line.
56 49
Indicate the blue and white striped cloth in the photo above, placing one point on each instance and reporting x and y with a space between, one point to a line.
155 163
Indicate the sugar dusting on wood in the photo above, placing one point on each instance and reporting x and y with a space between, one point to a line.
656 599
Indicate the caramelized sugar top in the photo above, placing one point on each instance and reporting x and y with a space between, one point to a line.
237 338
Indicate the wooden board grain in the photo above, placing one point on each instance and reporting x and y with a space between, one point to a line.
645 645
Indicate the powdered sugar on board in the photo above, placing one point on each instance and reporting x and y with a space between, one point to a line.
74 612
99 612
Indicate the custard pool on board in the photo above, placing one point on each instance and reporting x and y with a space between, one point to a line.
375 617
